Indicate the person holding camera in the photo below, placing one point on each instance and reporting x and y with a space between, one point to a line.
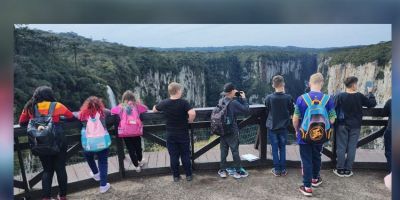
236 104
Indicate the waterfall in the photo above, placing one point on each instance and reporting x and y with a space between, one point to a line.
111 97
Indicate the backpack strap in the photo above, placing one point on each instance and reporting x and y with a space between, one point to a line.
51 109
307 99
324 100
36 110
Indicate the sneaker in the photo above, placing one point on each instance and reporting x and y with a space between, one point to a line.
177 178
348 173
141 163
316 182
222 173
339 172
283 172
189 178
105 188
275 172
138 169
305 191
243 173
96 177
236 175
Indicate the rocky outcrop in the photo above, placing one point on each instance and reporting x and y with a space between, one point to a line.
154 85
296 72
380 75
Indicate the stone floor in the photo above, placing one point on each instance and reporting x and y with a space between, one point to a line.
260 184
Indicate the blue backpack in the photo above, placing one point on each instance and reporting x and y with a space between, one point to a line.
315 127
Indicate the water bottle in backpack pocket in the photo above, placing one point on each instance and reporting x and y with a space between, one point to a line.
42 134
130 124
315 127
94 135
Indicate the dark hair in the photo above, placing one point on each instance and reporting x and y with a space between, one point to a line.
349 81
228 87
277 81
42 93
128 96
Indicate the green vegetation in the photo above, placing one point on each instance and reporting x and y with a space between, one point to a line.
380 75
380 53
77 67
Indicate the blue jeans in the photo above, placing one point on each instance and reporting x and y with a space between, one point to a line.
102 162
278 139
388 148
178 145
310 162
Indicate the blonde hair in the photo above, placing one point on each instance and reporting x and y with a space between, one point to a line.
317 78
128 96
174 87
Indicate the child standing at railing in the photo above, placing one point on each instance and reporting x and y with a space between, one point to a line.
95 138
130 127
309 107
349 109
279 109
44 103
178 113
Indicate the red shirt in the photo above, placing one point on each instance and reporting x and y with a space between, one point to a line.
43 108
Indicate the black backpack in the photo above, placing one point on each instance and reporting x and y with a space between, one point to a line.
44 141
219 119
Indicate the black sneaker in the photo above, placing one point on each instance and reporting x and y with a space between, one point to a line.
348 173
189 178
339 172
177 178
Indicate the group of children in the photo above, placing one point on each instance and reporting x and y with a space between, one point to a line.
281 112
345 109
93 116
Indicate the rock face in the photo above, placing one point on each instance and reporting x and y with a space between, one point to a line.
154 85
296 72
380 75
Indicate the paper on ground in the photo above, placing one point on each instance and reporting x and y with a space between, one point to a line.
250 157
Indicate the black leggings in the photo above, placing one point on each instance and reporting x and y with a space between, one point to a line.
134 146
51 164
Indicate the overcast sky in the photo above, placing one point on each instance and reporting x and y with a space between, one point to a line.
216 35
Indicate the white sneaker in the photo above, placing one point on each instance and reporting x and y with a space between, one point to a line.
222 173
141 163
236 175
138 169
105 188
96 177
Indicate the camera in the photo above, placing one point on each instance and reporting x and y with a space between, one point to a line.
238 93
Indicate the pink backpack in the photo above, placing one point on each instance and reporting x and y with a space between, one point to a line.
95 136
130 124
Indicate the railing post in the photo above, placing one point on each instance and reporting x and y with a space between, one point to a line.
121 156
333 160
22 168
262 149
192 145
